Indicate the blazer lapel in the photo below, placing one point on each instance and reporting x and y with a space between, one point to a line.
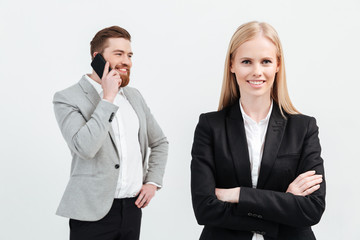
238 145
274 135
134 102
94 98
90 92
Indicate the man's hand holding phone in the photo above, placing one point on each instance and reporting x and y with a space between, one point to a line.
110 83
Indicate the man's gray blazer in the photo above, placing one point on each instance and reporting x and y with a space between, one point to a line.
85 123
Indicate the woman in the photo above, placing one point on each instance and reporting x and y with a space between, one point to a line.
256 170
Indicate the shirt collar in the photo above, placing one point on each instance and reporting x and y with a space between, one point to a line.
98 87
248 119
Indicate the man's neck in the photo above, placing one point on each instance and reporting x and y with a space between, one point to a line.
95 77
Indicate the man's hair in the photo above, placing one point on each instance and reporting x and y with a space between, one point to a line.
99 42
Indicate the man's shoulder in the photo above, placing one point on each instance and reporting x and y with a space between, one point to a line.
72 91
131 90
134 94
73 88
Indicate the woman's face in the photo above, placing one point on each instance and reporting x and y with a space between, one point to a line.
255 65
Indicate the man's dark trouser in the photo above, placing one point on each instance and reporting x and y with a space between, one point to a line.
121 223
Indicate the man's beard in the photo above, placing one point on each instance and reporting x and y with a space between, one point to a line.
125 78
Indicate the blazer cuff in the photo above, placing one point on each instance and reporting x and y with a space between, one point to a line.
152 183
247 204
107 109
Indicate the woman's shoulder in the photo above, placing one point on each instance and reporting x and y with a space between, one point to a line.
214 115
299 117
301 120
215 119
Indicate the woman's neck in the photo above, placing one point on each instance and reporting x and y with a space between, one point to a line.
256 107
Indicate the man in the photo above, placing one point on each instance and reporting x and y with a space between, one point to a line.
109 130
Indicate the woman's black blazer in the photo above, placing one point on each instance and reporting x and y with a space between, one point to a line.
220 159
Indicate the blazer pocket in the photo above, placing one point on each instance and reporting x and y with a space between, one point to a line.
288 161
285 168
82 167
282 155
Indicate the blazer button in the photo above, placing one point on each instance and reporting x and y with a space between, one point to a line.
250 214
259 216
111 117
117 166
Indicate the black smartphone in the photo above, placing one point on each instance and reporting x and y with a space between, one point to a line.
98 64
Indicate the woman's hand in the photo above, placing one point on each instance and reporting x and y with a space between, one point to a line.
305 184
228 195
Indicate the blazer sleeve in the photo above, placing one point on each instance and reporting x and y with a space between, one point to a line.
83 137
159 146
208 209
286 208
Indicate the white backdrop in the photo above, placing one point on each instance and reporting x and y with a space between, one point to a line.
179 52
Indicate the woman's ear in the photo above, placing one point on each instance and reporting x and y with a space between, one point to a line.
95 53
231 66
278 64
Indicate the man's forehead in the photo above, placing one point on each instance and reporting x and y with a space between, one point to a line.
120 44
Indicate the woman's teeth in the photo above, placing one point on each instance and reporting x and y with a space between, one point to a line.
256 82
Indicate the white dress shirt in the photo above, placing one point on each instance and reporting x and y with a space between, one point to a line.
255 136
126 130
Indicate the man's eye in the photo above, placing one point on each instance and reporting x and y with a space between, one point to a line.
246 62
130 56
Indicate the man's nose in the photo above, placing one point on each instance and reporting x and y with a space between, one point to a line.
126 61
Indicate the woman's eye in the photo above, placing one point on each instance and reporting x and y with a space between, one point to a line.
246 62
266 61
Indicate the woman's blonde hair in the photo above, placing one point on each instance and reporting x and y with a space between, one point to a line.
230 90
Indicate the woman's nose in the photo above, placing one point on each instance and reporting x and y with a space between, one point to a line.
257 72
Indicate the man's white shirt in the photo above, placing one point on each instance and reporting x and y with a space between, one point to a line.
126 129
